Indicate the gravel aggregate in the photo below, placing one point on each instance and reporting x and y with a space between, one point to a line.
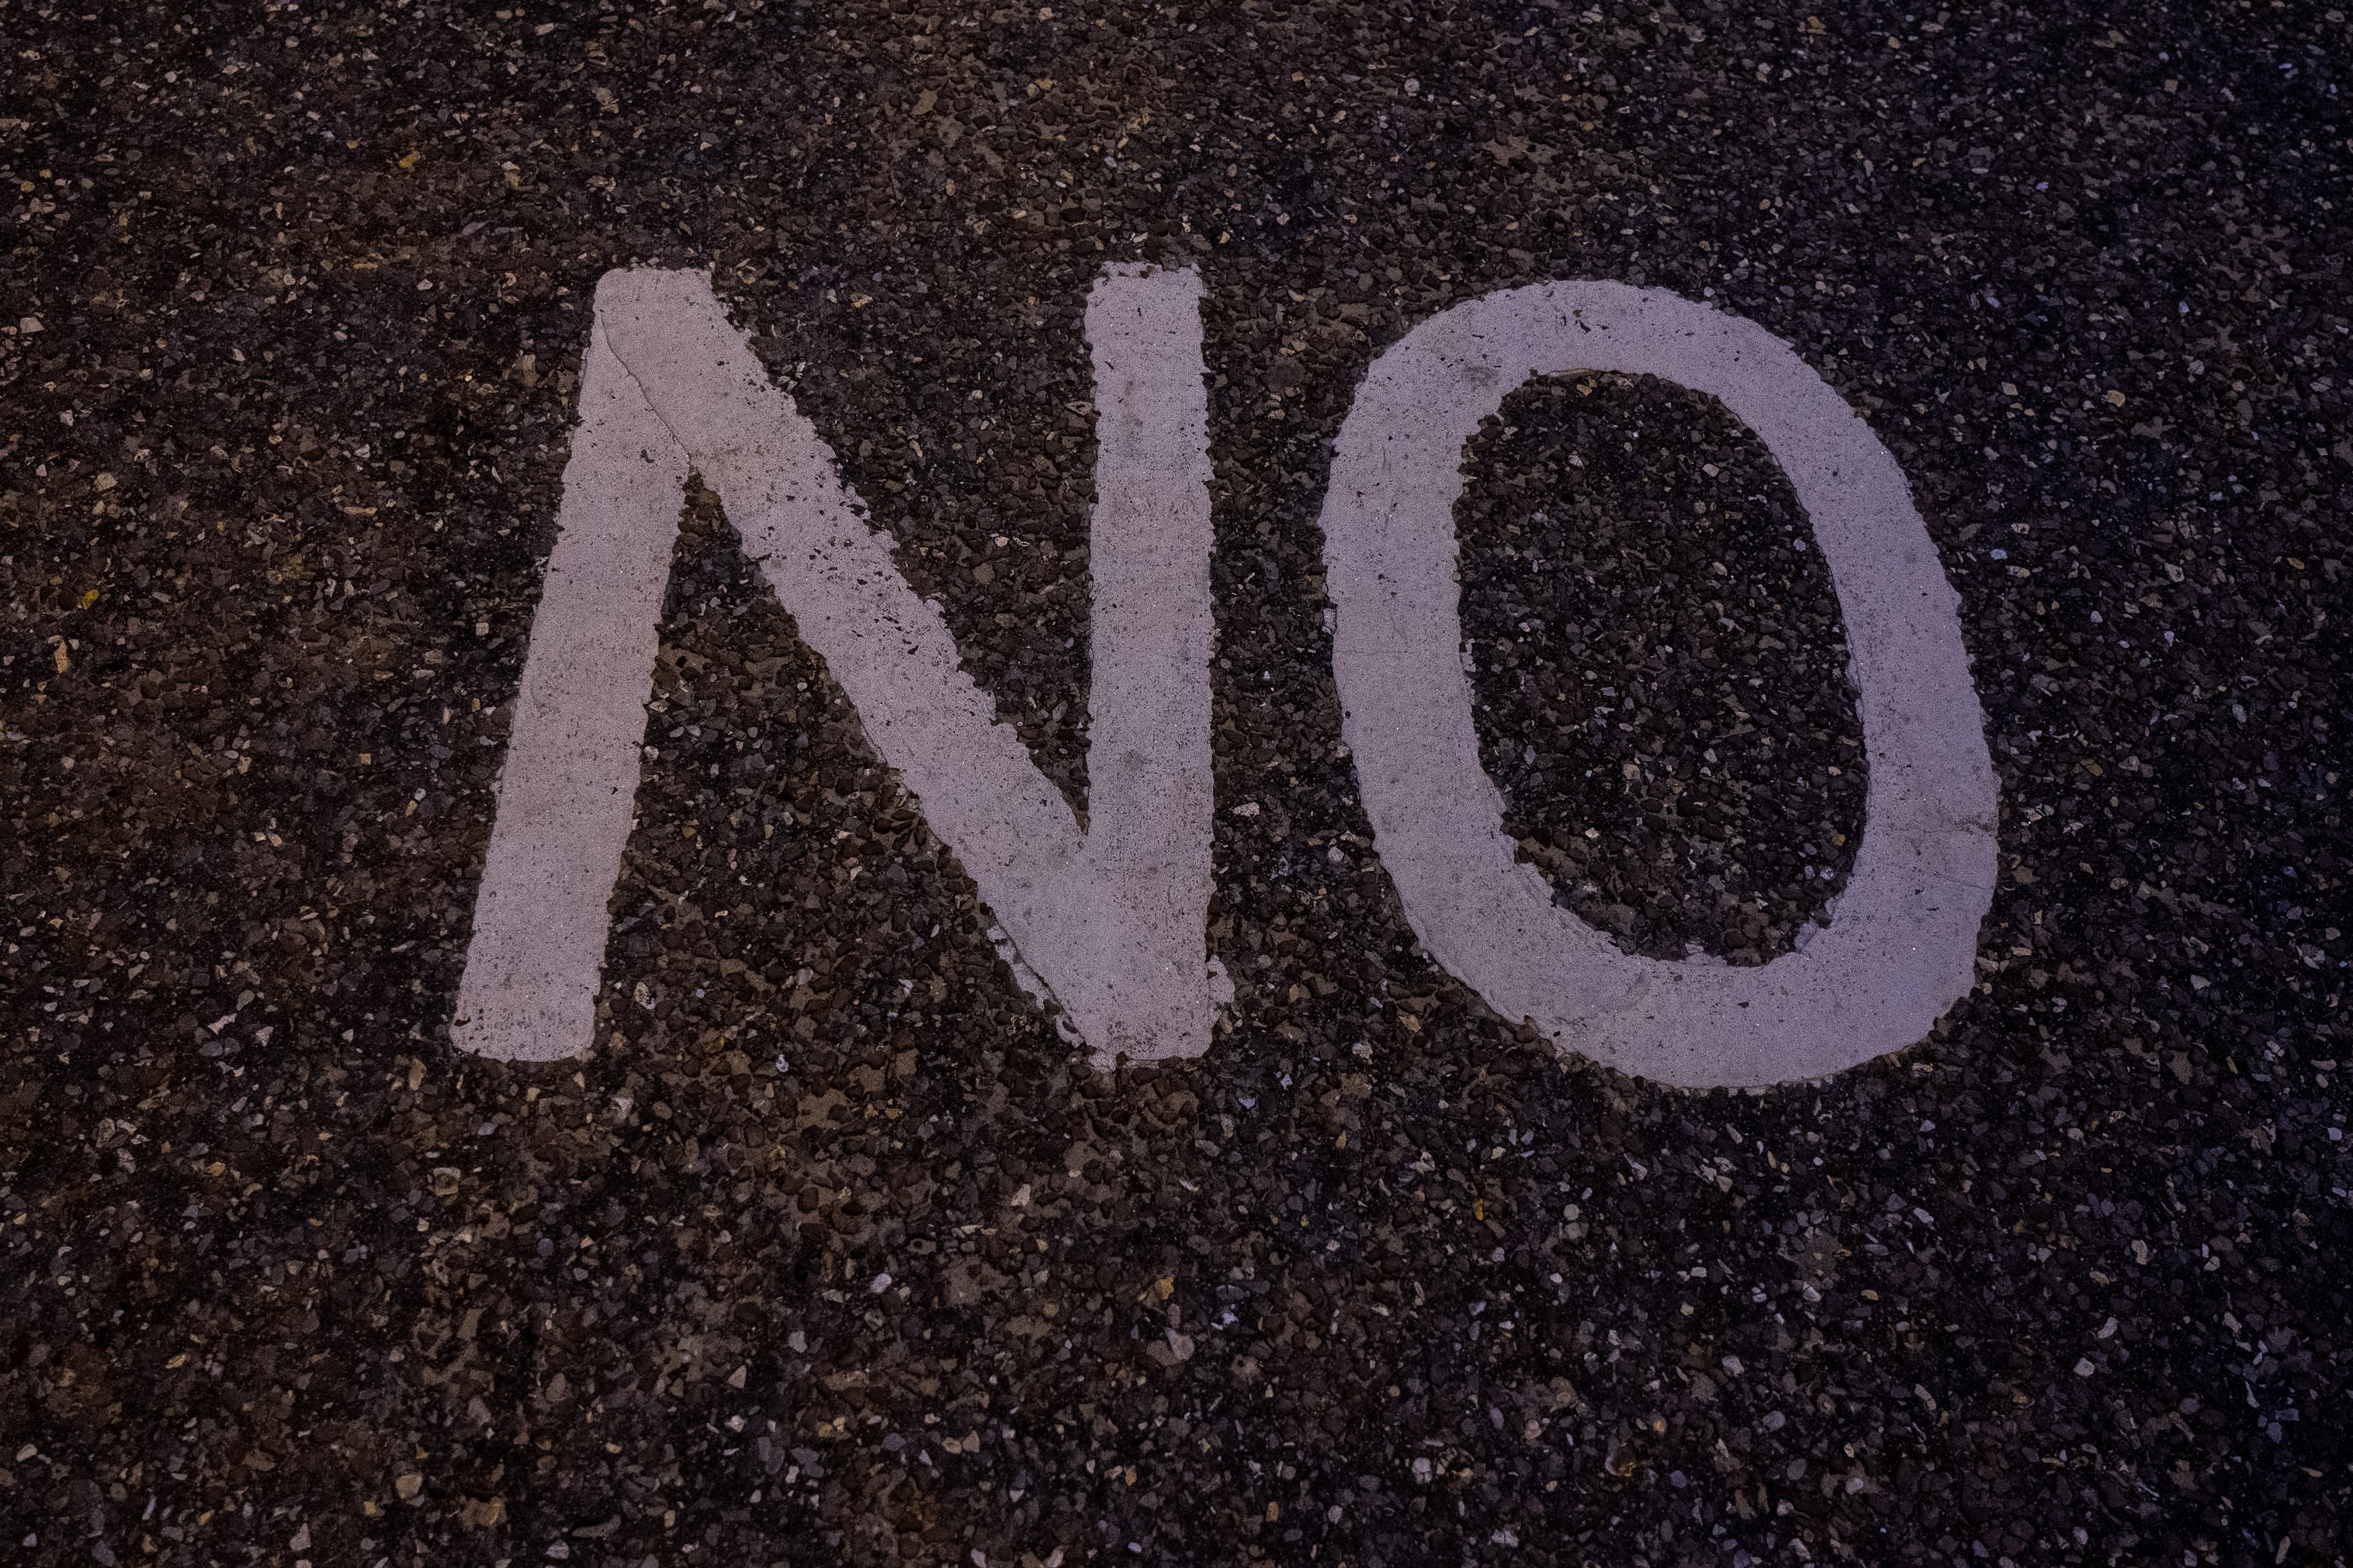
832 1249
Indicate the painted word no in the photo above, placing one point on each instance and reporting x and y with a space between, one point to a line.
1109 921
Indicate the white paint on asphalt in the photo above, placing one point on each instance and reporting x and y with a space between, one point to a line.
1900 946
569 788
1112 919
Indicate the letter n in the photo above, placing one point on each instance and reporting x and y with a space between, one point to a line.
1112 920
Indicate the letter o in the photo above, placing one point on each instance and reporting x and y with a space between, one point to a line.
1900 944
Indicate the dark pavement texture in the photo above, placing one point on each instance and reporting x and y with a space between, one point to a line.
831 1251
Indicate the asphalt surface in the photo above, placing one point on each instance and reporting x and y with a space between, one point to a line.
833 1250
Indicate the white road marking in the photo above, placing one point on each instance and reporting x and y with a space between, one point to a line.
1900 946
1112 921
